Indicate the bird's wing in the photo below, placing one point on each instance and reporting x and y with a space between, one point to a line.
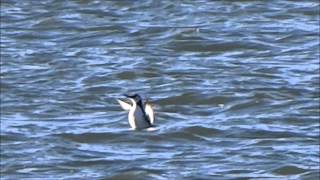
124 105
149 112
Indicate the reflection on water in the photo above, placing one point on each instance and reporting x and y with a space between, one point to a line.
235 87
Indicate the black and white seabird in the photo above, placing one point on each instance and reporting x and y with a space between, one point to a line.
141 114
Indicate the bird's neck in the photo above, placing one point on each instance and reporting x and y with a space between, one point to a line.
139 103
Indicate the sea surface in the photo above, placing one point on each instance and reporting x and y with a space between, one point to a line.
234 85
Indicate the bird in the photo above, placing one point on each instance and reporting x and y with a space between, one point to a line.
141 114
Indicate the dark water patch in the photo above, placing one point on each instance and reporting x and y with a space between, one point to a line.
202 131
256 133
95 137
289 170
138 173
10 137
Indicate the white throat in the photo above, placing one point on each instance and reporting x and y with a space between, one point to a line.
131 114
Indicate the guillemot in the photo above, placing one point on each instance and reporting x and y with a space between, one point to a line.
141 114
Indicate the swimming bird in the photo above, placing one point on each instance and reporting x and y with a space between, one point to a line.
141 114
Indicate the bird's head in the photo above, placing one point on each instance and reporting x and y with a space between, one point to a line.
135 97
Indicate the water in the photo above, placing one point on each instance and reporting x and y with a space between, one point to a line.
235 86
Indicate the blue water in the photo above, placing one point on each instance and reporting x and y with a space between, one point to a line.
235 87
